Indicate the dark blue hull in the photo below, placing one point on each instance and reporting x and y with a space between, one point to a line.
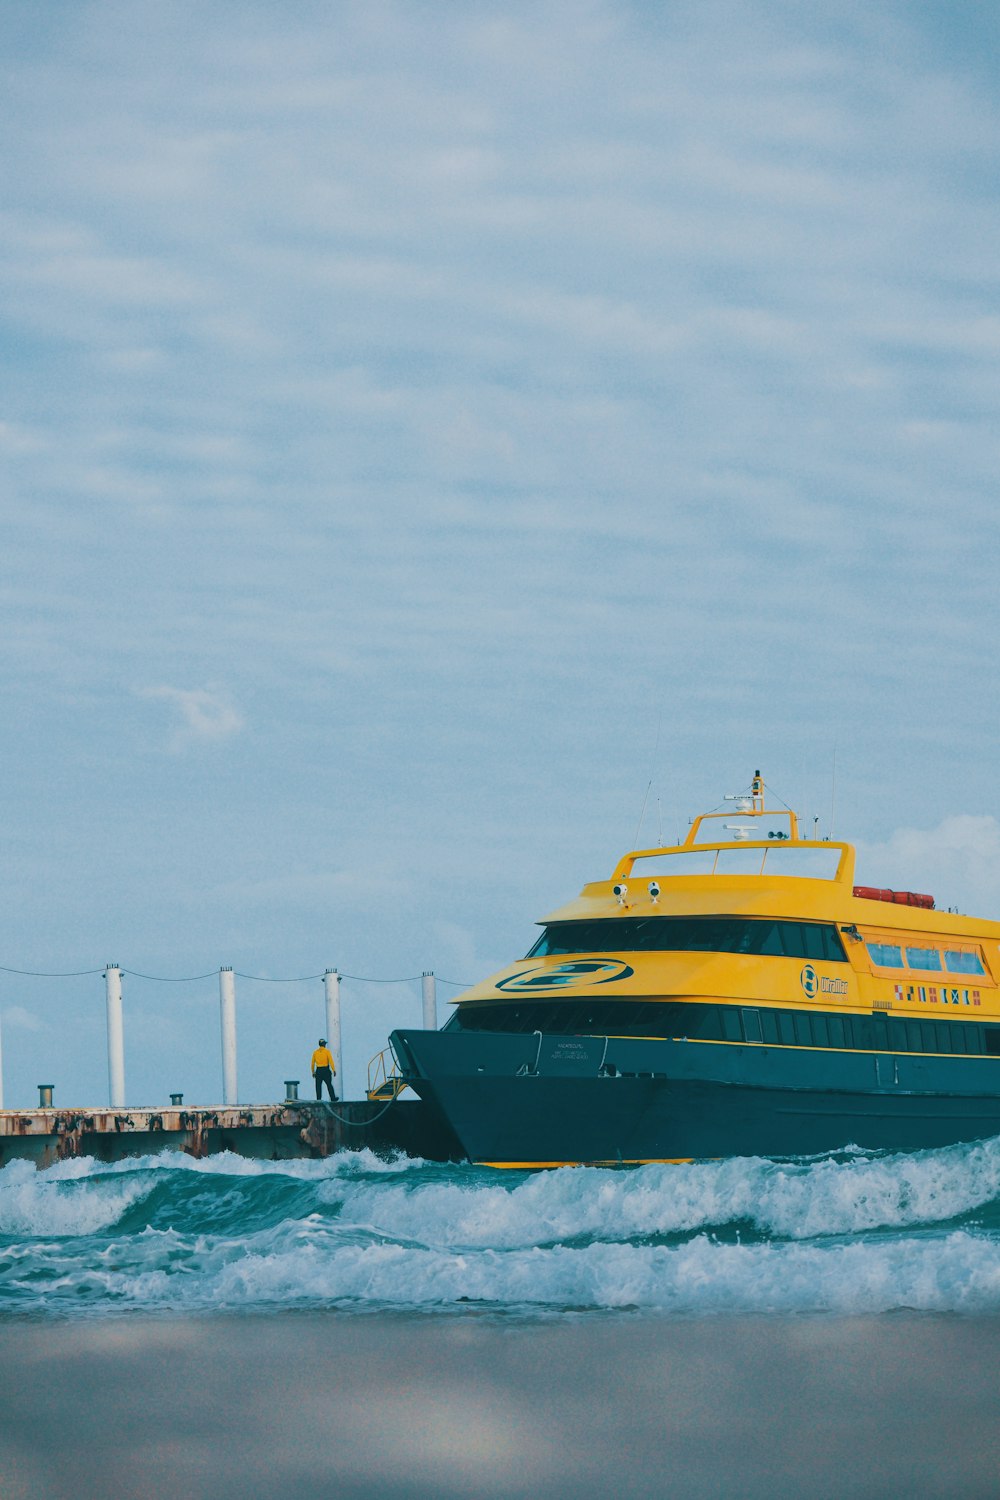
541 1100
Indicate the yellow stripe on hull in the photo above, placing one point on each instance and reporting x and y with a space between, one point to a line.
539 1166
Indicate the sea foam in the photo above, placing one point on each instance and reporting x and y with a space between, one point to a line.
845 1233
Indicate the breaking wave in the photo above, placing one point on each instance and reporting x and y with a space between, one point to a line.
845 1233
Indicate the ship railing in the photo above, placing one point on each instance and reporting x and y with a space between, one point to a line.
384 1078
532 1072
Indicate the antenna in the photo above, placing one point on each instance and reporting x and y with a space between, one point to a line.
638 826
833 792
652 772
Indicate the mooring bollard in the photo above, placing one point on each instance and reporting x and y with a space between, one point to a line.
45 1095
291 1090
177 1100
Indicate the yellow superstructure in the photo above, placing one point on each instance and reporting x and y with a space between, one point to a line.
866 925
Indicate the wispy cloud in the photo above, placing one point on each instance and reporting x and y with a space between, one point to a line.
205 716
18 1018
957 862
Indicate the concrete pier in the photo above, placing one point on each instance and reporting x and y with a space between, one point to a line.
266 1132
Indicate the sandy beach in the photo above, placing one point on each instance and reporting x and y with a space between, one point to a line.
251 1405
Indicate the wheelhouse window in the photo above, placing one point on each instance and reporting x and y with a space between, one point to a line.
763 935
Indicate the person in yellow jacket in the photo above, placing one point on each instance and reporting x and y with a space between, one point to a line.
323 1069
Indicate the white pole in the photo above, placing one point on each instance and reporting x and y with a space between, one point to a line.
331 985
227 1005
116 1037
430 1001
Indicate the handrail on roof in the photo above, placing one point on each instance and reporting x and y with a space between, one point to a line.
763 812
844 874
746 805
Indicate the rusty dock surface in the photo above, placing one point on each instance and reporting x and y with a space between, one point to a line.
265 1132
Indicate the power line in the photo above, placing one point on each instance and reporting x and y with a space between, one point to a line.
45 974
212 974
169 978
364 979
270 979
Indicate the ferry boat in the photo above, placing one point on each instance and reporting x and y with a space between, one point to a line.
735 994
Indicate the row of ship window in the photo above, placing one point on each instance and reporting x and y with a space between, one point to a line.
571 1018
927 960
731 1023
875 1033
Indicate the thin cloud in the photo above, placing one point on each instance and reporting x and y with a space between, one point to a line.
958 862
205 717
16 1018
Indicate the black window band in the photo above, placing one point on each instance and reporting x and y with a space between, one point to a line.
766 936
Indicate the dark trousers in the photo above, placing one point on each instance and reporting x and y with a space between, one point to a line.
323 1075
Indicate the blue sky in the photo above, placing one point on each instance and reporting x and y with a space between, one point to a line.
421 426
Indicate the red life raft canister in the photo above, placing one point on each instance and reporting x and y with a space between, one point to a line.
901 898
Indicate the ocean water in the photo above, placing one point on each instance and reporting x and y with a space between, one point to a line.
851 1233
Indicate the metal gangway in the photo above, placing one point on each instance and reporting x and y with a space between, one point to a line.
384 1079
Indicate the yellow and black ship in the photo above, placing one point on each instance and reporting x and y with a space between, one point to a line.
736 994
